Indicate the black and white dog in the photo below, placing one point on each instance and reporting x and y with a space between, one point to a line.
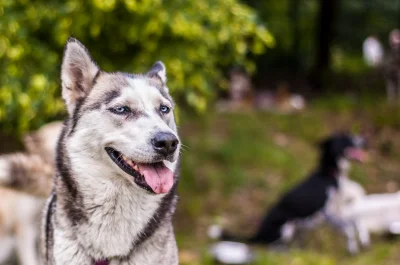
308 200
306 204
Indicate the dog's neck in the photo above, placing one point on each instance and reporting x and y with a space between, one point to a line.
344 167
332 166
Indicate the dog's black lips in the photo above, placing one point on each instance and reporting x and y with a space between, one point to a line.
139 179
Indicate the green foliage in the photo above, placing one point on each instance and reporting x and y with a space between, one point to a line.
195 39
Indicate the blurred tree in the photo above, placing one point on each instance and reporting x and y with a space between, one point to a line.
313 36
292 23
295 31
325 34
195 39
357 20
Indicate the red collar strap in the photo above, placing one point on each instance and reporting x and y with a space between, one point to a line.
102 262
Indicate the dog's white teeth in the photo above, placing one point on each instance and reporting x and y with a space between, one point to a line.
129 162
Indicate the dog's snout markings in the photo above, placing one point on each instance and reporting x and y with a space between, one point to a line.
165 143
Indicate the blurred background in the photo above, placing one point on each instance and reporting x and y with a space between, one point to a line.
258 84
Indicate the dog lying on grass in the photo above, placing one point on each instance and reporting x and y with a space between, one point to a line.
368 214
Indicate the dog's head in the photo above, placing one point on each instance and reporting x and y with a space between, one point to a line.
340 147
124 122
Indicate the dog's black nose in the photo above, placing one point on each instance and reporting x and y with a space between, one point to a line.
165 143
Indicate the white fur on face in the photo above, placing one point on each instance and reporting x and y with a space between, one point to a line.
129 135
133 139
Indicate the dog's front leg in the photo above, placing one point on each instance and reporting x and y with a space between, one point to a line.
352 244
363 234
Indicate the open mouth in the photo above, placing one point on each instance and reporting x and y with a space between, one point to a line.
153 177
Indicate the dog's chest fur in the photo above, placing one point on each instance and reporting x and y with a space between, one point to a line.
115 220
116 211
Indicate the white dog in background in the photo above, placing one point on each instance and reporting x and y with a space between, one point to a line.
358 214
373 214
349 192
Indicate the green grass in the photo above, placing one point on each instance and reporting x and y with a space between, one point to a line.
235 165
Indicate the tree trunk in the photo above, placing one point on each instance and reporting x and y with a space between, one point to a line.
398 13
324 38
293 13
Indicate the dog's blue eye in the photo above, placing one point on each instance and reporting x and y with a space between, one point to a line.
164 109
121 110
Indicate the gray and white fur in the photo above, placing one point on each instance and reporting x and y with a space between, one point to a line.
97 211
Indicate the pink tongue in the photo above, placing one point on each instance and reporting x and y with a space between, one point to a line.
158 177
357 154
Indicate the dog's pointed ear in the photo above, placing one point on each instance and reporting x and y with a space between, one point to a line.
158 72
78 73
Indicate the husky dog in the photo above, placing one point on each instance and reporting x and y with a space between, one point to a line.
20 212
117 161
